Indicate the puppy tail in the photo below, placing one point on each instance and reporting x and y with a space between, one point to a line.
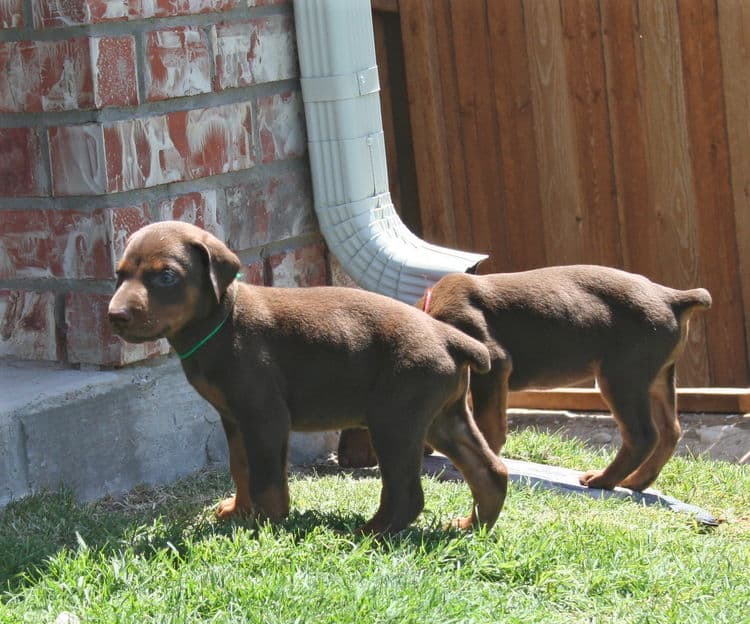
463 347
685 302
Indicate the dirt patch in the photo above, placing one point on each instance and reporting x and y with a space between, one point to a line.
721 436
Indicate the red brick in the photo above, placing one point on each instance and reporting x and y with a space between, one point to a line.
64 13
197 208
89 337
77 160
268 210
80 244
301 267
255 51
11 14
115 79
253 273
21 174
184 145
177 63
168 8
25 244
141 154
45 75
27 325
55 243
124 221
281 126
339 276
219 139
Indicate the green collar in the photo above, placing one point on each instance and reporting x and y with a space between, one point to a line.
211 334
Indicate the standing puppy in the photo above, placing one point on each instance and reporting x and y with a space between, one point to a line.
271 360
560 325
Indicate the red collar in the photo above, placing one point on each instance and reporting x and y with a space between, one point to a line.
427 299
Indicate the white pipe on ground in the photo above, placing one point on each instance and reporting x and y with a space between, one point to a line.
340 87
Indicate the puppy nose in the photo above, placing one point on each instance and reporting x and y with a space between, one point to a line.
120 316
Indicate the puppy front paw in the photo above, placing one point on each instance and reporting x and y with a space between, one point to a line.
596 479
230 507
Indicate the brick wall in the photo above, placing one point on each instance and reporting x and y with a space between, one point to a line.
116 113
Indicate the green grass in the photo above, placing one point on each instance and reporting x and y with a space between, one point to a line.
158 555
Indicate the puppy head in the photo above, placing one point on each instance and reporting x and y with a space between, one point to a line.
170 274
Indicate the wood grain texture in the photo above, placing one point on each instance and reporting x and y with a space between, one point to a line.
716 247
517 164
479 133
587 81
556 148
451 121
426 111
627 125
394 104
734 37
673 202
601 131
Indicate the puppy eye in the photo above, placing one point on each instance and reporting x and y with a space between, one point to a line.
165 278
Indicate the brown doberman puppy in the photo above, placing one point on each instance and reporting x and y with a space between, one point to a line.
561 325
271 360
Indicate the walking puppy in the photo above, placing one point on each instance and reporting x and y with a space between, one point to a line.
560 325
271 360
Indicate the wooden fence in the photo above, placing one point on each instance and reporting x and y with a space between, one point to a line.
614 132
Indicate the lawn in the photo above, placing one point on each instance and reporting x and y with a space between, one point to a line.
158 555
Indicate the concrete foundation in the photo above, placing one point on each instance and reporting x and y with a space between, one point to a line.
102 432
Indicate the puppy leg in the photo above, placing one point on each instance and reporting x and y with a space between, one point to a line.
664 412
269 489
355 450
489 396
399 455
240 503
628 397
455 434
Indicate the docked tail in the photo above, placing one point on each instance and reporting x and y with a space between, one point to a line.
687 301
466 348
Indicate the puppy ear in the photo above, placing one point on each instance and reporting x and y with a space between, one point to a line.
221 262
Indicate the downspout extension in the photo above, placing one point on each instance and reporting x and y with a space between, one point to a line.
346 144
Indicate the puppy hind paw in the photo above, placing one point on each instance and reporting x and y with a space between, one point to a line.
596 479
636 485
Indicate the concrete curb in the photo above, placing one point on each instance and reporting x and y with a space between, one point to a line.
103 432
565 480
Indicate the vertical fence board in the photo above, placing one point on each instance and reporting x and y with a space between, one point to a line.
479 137
586 77
716 248
734 33
627 125
452 126
515 118
425 107
556 151
386 105
671 179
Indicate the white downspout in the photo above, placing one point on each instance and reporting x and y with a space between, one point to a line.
346 143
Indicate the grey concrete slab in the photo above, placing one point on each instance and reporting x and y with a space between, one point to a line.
103 432
566 480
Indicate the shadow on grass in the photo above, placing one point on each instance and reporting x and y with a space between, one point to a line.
146 521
